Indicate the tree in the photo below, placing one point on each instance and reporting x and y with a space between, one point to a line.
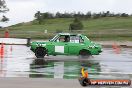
38 17
96 15
4 19
88 15
124 15
3 8
47 15
76 25
58 15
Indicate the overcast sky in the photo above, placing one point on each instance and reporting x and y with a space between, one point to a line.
24 10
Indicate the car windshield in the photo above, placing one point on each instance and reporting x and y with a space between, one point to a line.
86 37
53 39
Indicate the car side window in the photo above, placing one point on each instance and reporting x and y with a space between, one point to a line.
74 39
63 38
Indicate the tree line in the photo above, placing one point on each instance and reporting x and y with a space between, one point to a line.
48 15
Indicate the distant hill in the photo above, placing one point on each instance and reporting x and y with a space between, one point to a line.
107 28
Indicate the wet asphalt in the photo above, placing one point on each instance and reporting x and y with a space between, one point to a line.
19 61
19 67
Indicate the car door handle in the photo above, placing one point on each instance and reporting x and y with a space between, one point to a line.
65 44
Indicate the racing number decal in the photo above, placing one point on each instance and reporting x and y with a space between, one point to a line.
59 49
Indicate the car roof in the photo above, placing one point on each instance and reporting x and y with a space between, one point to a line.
68 34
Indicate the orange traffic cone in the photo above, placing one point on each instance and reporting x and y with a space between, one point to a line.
6 34
116 48
11 49
2 50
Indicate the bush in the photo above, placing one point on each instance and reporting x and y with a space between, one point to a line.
76 25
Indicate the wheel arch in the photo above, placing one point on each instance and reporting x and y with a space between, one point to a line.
42 47
88 51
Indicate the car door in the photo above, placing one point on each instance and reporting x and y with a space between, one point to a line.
61 46
75 45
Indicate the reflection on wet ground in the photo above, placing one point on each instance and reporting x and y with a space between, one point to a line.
19 61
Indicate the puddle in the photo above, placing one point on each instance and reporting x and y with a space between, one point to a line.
19 61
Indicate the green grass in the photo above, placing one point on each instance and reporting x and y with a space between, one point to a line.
109 28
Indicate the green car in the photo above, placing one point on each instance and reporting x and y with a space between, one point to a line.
66 44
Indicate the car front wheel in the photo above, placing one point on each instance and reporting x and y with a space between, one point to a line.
40 52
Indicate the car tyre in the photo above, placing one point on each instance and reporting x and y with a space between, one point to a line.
85 54
40 52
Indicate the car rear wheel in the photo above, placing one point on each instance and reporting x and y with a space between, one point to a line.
40 52
85 53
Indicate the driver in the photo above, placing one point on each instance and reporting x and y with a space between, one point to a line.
67 39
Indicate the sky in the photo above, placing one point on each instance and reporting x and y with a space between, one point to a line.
24 10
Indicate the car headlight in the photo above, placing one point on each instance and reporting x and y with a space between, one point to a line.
40 45
91 46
